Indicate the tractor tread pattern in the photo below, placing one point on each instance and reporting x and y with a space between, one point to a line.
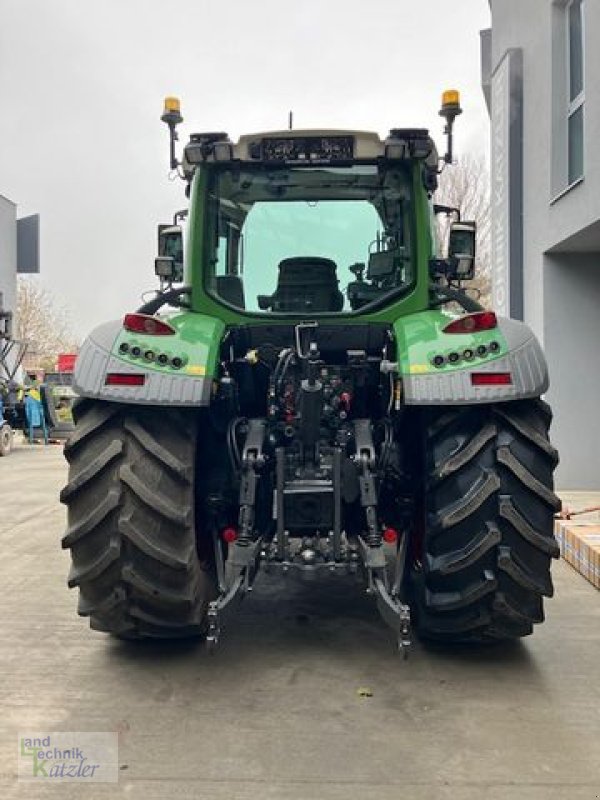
164 456
85 608
86 572
521 575
90 425
489 509
88 521
510 461
530 433
464 454
156 550
456 560
156 503
465 506
91 470
131 532
546 544
455 625
450 601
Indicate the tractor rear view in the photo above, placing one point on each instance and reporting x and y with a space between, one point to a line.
312 389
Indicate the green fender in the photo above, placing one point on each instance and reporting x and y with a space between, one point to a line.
177 369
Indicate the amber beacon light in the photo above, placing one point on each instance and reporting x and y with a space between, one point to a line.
450 110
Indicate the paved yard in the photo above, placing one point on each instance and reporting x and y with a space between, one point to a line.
276 714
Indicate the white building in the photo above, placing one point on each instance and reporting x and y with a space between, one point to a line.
19 252
540 73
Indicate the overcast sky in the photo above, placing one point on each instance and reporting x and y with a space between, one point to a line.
82 85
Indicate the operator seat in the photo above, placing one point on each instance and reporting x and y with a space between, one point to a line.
305 284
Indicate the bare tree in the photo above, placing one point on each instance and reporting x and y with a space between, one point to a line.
466 186
42 323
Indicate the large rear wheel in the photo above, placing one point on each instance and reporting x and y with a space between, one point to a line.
132 521
484 562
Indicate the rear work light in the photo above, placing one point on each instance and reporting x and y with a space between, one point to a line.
146 323
491 379
472 323
125 379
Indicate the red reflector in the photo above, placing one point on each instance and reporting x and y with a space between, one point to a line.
491 379
471 323
229 535
124 379
390 535
146 323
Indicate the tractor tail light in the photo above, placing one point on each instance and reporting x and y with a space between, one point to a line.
472 323
125 379
146 323
491 379
229 535
390 535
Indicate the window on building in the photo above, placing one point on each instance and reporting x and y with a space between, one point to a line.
576 89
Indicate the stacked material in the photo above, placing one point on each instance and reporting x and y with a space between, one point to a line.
579 543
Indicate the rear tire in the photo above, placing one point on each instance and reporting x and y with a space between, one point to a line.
131 520
488 538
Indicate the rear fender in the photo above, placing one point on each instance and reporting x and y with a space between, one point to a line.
510 348
108 349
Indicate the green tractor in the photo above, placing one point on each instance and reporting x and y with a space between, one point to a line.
312 389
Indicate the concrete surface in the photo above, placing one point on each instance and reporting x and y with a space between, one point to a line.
276 713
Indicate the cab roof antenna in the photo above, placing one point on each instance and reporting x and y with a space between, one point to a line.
290 120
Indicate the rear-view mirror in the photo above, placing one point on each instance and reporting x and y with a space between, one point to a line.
170 245
461 250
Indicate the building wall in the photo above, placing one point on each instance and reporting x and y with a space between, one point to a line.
560 225
572 334
8 253
519 25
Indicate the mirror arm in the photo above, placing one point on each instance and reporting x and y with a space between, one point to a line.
448 210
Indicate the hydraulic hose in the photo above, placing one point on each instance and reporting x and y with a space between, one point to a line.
447 295
162 298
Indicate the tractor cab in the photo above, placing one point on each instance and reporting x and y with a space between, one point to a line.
283 238
304 222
